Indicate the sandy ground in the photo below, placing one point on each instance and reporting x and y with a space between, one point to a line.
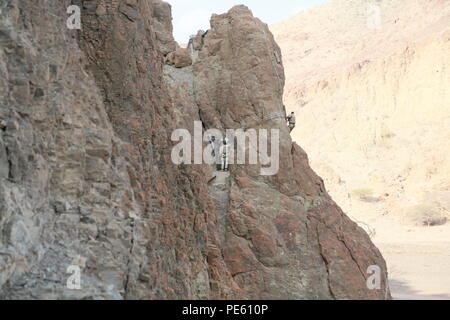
418 259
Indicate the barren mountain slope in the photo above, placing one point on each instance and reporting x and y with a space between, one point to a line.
373 106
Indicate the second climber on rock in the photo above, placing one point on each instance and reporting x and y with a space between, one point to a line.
224 154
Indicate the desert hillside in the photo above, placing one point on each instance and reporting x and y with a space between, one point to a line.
370 83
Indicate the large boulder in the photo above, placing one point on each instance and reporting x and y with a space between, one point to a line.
179 58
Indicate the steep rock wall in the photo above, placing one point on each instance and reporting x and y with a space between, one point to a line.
87 178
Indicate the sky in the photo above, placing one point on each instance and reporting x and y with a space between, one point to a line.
189 16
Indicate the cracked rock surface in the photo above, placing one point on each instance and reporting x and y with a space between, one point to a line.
86 176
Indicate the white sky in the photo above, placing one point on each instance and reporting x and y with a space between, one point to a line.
189 16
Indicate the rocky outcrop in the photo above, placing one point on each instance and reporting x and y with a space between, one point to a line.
179 58
87 178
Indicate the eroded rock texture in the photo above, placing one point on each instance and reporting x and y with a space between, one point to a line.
87 178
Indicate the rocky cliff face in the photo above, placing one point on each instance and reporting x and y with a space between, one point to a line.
87 177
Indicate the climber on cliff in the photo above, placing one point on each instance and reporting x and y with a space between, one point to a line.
224 154
212 141
291 119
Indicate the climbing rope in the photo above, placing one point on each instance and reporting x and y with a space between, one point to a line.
273 116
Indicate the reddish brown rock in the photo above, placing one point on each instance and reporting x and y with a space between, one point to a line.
179 58
88 178
239 258
239 81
